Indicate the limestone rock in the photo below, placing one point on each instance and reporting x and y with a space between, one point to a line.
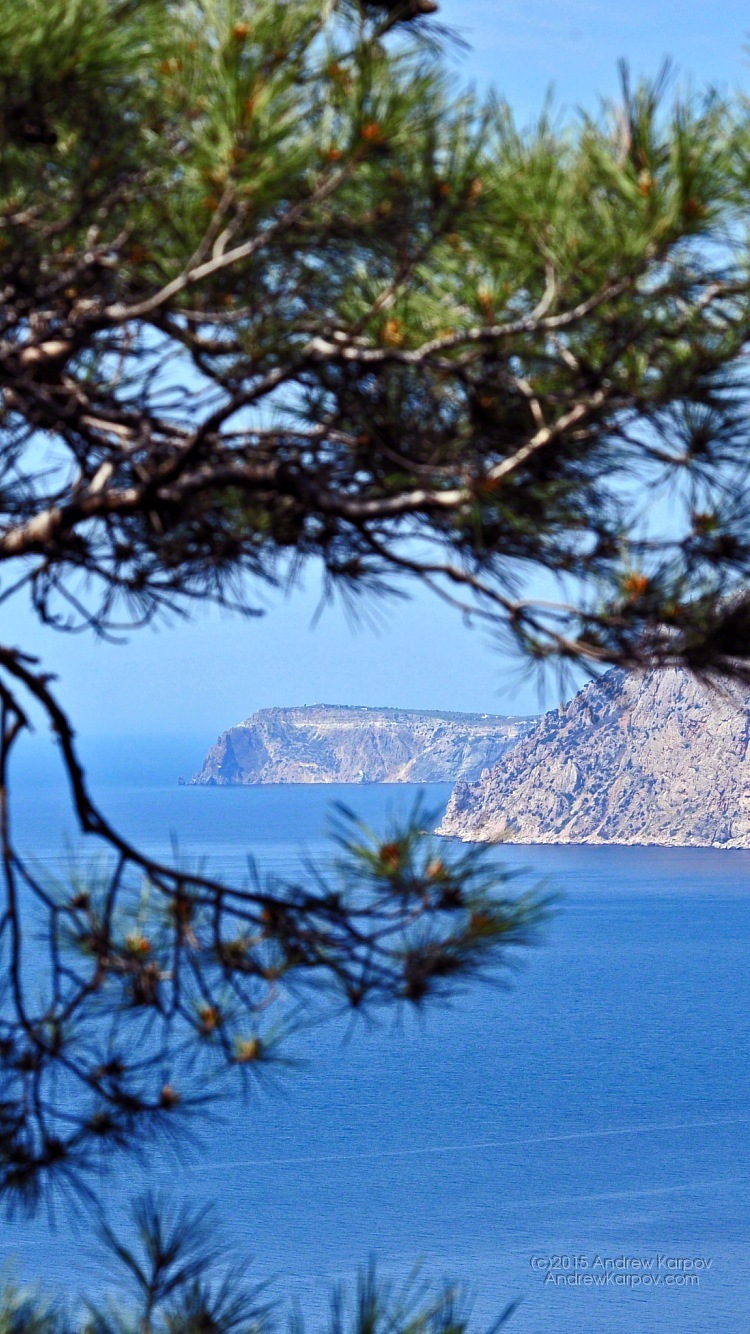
647 758
328 744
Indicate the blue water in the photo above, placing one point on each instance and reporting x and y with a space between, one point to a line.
600 1106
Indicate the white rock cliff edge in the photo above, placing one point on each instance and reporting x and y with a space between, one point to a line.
648 758
323 743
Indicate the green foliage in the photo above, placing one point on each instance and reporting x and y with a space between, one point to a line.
458 329
273 291
165 990
175 1279
397 317
23 1311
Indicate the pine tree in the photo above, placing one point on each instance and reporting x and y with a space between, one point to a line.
274 292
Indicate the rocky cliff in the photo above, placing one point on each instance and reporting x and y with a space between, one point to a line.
325 744
649 758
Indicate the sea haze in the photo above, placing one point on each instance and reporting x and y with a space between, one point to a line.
598 1107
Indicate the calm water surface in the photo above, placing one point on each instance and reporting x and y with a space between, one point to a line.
599 1107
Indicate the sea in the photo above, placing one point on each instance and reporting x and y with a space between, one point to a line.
589 1120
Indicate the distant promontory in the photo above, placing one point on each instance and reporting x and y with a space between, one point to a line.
324 743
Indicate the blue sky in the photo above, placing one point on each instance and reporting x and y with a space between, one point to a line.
524 49
199 678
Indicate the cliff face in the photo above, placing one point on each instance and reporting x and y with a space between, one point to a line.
325 744
647 758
